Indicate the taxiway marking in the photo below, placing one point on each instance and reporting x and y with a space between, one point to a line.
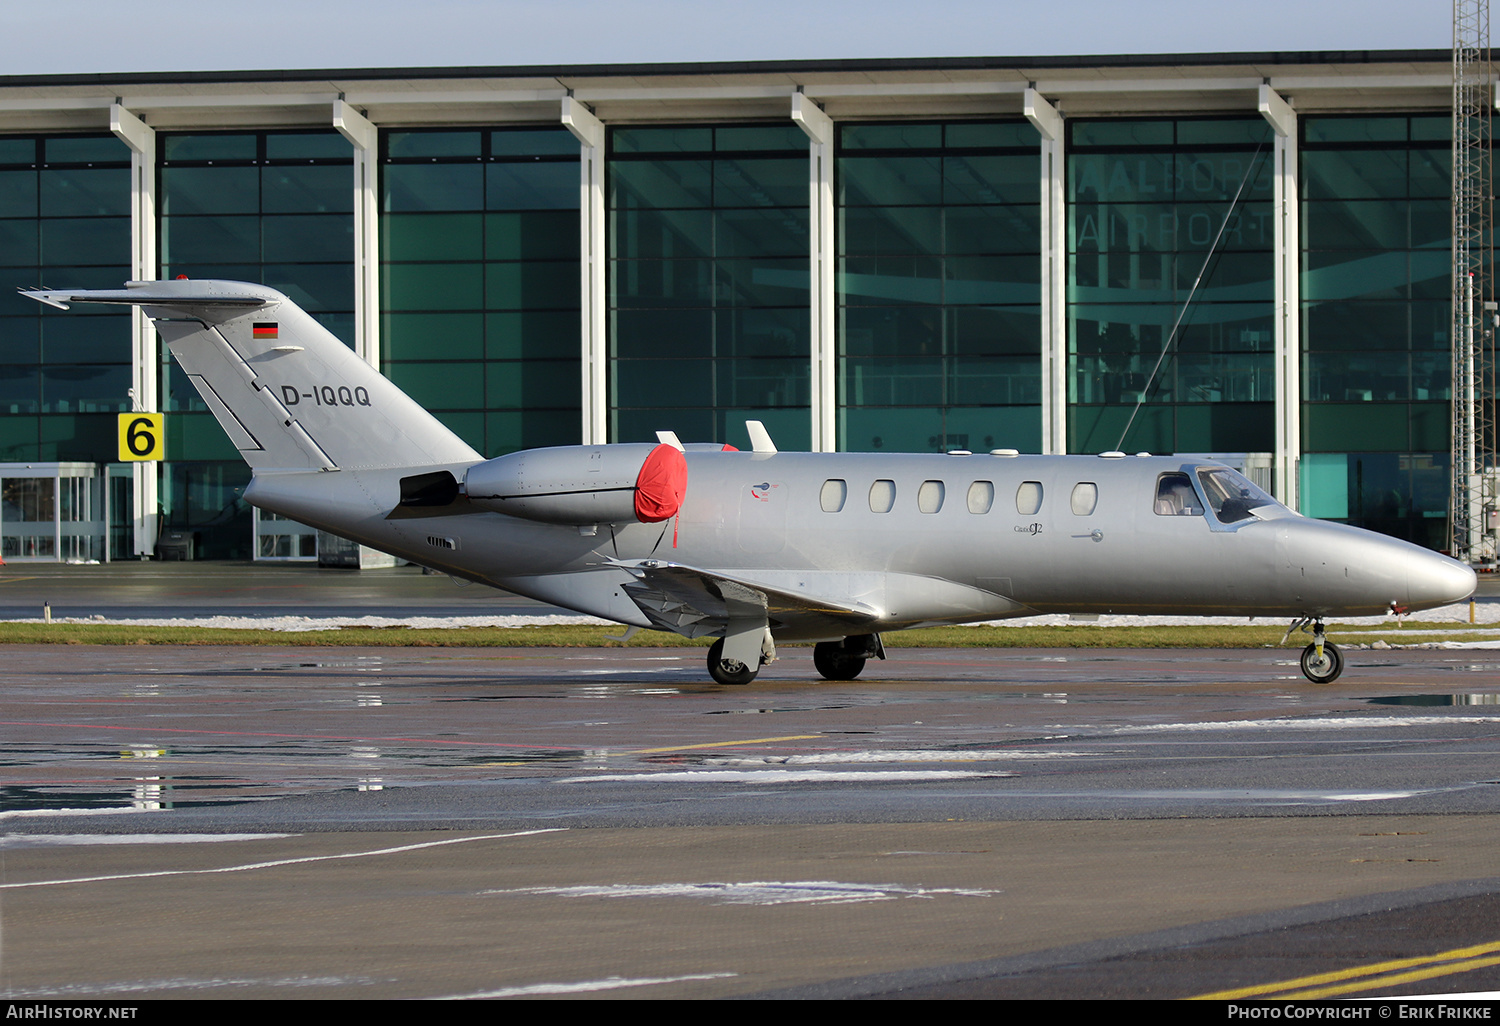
277 862
609 983
1369 977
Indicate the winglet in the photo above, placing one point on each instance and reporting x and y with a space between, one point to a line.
760 438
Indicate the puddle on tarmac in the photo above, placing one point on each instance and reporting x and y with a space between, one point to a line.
141 795
529 757
494 698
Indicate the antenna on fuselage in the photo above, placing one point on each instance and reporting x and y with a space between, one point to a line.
760 438
1181 313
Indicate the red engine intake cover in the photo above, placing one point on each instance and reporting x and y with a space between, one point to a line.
661 485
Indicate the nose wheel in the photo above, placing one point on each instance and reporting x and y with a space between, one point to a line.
1321 661
1324 667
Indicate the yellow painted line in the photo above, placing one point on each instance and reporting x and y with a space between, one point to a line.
13 580
726 744
1470 953
1393 981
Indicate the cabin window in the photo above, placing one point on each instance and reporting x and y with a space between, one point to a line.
1029 498
882 496
833 495
1175 497
930 496
981 496
1084 498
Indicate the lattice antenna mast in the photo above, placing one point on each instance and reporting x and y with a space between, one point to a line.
1473 316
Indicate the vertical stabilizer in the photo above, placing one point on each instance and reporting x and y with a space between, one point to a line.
287 392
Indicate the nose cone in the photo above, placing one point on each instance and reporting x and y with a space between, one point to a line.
1439 581
1338 570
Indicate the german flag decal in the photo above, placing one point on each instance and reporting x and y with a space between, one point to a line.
264 329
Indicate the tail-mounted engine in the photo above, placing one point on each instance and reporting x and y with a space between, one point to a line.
583 484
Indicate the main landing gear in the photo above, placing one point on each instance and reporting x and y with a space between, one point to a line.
1321 661
835 660
729 671
845 660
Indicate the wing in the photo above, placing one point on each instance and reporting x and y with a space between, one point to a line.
695 603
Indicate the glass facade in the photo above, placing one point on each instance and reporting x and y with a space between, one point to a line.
480 297
1376 268
937 289
708 282
1147 201
939 286
269 207
64 219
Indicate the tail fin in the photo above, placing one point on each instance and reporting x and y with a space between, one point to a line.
287 392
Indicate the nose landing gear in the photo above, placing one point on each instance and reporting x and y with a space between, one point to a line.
1321 661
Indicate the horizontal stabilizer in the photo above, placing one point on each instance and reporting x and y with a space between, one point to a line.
181 292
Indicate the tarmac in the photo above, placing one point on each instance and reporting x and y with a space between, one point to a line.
272 822
199 589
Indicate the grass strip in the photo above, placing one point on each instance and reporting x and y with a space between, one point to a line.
1069 636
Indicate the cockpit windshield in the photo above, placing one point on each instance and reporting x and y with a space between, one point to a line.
1230 495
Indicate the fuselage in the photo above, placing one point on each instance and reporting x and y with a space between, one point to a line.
919 538
749 547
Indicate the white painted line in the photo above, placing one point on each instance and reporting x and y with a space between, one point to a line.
34 813
74 991
785 776
909 755
277 862
755 892
608 983
1315 723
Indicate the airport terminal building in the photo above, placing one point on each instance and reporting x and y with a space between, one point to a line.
867 255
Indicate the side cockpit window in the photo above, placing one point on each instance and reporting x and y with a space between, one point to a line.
1231 495
1175 497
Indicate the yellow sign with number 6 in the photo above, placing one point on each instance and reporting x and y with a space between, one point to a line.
142 436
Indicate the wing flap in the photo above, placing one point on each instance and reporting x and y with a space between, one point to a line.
696 603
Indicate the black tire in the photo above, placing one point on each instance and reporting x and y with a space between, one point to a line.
1328 671
729 672
835 663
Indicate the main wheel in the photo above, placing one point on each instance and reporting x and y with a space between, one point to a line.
835 663
1325 670
728 671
